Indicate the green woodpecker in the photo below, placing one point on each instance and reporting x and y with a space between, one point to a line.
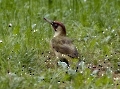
62 46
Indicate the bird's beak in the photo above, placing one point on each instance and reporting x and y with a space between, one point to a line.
49 21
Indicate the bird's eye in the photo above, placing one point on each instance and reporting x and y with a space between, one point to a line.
55 25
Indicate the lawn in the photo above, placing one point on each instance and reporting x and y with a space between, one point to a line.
26 60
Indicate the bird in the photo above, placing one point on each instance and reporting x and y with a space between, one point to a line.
62 46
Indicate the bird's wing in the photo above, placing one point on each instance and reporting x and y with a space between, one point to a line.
64 46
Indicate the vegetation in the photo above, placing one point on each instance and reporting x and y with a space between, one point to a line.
26 60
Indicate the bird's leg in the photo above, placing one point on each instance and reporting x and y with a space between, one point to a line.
65 60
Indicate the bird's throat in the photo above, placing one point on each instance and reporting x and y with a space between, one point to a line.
57 34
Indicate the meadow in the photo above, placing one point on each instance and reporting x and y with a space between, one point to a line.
26 60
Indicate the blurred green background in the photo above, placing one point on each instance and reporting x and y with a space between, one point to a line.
94 25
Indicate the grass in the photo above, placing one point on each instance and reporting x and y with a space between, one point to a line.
94 26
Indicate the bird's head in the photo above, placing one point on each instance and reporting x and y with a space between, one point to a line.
58 27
